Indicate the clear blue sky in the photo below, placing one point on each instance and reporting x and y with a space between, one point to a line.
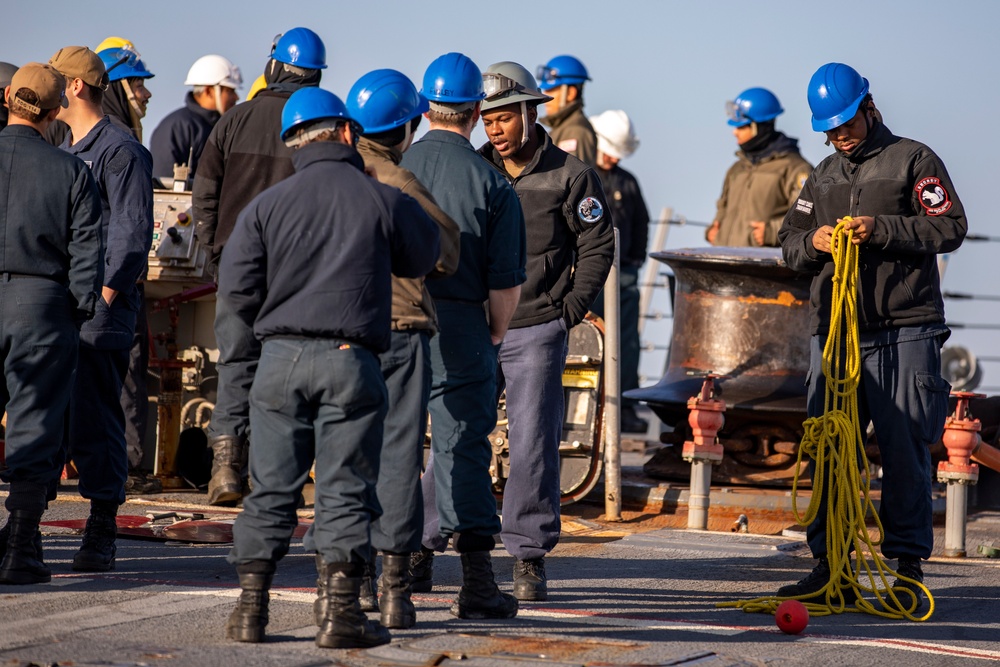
671 65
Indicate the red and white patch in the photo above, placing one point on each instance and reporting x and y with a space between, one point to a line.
568 145
932 195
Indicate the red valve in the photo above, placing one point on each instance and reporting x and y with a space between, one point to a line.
706 420
961 438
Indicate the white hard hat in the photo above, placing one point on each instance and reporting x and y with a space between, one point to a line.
214 71
615 134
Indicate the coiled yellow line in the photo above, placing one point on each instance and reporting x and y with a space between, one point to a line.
835 442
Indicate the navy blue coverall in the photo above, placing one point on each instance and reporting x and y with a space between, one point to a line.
458 495
309 266
122 168
50 280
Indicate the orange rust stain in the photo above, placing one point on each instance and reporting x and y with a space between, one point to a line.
783 299
544 647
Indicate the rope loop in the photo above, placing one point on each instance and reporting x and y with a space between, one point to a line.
835 442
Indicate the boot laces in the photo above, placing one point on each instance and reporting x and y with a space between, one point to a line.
100 533
533 567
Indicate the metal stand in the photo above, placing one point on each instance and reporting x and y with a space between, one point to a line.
612 393
706 420
961 438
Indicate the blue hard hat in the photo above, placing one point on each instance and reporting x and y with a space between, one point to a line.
124 64
561 70
300 47
753 105
835 93
383 100
453 78
309 104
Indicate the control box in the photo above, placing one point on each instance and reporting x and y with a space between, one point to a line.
176 256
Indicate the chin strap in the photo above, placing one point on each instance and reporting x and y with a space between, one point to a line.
524 124
217 89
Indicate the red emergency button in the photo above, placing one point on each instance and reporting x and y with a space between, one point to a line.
183 218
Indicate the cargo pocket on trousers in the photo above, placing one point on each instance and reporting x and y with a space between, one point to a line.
932 399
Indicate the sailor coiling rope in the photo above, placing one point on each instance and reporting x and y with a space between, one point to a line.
835 442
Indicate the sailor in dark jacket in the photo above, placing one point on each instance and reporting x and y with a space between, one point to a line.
616 140
180 137
571 244
122 168
309 267
243 157
905 211
50 279
389 107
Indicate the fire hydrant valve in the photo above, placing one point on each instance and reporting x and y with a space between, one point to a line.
960 438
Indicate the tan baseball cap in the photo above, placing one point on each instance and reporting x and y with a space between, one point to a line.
79 62
44 81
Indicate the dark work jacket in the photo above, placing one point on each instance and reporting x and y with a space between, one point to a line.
412 305
571 241
313 255
906 187
628 212
486 209
244 155
181 137
122 168
49 227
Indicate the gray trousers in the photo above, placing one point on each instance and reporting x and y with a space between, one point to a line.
531 362
322 401
406 368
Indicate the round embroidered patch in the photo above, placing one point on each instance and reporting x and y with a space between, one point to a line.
590 210
933 197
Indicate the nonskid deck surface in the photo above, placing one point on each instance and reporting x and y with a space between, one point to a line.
630 593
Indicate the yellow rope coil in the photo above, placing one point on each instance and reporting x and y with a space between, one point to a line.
835 442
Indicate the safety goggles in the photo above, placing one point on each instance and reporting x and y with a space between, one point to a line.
735 113
546 74
127 56
496 84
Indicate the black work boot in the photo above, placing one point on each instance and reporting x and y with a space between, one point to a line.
529 580
5 537
344 624
368 597
97 552
479 597
812 586
226 486
22 563
249 619
910 568
397 607
422 570
322 600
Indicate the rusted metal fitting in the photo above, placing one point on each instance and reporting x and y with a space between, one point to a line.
961 438
706 420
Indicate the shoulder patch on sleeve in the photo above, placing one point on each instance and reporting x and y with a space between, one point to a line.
119 161
590 210
568 145
803 206
801 180
932 195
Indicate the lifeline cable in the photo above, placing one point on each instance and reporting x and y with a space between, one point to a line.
835 442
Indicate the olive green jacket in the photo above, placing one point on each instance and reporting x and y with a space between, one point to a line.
762 191
572 132
412 306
